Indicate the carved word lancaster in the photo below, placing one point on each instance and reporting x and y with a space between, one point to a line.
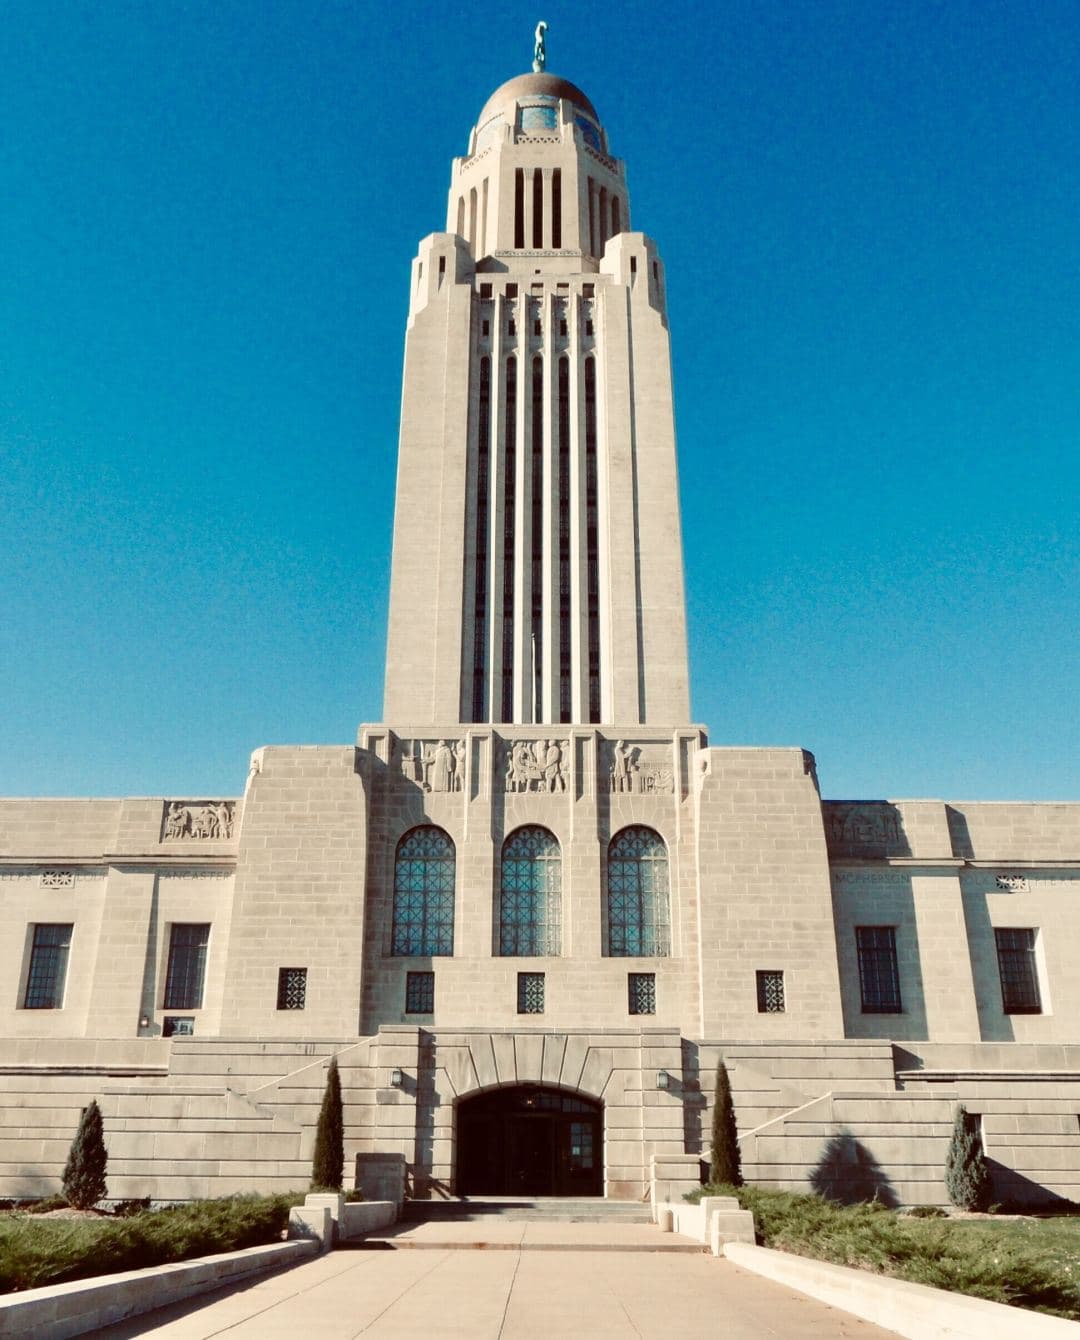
198 819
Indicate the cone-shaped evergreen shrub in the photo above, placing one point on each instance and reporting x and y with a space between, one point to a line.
328 1164
84 1172
967 1176
724 1163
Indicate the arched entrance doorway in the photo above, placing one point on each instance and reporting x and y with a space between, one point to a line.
530 1141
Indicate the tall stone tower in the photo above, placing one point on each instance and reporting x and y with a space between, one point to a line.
537 561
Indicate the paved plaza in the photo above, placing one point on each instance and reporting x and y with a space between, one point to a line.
508 1294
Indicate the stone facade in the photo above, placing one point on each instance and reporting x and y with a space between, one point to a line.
536 879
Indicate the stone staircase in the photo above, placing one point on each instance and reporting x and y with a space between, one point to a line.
539 1209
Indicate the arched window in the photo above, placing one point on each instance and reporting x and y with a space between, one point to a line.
637 895
424 894
530 897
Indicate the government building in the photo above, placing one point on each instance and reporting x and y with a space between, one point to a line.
530 909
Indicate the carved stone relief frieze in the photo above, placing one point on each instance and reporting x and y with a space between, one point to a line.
638 769
863 829
198 819
539 766
433 765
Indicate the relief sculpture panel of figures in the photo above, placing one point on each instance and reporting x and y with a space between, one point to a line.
433 765
636 769
205 819
537 765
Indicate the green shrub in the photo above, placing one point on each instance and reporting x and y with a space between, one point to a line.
328 1163
1005 1265
35 1252
926 1212
84 1172
967 1177
724 1163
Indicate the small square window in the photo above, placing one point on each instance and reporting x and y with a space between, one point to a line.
1019 974
770 991
511 290
291 988
511 329
587 290
419 993
485 327
530 993
641 989
485 291
537 329
178 1026
588 328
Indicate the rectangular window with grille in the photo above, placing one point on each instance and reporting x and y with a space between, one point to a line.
186 972
1019 974
291 988
879 976
419 993
47 975
641 989
530 993
770 991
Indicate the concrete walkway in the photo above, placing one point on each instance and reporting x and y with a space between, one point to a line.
510 1294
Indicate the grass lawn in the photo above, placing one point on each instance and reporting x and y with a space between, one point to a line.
1032 1263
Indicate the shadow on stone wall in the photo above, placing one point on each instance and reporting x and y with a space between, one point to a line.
848 1173
958 833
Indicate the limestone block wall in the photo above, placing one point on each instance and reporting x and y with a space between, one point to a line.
924 906
299 900
1046 901
121 916
763 898
583 986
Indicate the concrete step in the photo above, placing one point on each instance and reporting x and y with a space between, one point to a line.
540 1209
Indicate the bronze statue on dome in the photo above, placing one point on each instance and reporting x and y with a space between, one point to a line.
540 48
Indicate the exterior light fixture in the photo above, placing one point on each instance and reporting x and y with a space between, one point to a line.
144 1021
397 1079
663 1079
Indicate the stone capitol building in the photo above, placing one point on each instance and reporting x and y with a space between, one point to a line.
531 908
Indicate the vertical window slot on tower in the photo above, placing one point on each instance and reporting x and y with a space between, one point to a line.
556 207
616 223
603 233
480 571
483 218
538 209
472 219
509 522
537 572
565 693
519 207
592 540
591 187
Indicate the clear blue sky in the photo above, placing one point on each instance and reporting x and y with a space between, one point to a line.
869 215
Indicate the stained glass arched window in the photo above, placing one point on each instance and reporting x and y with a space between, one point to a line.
424 893
638 921
530 896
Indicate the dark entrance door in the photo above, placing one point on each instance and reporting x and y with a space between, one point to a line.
529 1141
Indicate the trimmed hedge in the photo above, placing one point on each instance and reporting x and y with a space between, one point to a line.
35 1251
1008 1267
